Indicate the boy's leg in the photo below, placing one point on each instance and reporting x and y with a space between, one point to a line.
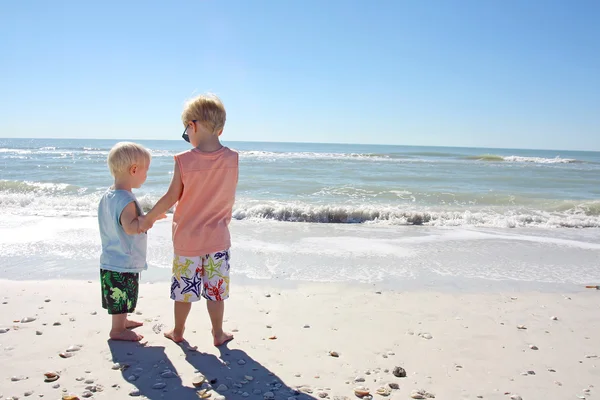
182 310
216 291
119 297
186 288
216 311
119 329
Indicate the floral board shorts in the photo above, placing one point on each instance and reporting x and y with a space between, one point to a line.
202 276
119 291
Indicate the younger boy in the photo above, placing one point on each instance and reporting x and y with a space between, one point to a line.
123 249
203 186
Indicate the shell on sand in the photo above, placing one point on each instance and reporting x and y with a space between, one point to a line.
203 394
51 376
361 391
421 394
383 391
198 380
399 372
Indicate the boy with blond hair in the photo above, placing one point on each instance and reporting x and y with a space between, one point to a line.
203 186
123 249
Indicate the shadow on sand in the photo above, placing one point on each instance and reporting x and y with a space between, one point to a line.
163 381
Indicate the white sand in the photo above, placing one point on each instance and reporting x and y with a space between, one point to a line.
372 332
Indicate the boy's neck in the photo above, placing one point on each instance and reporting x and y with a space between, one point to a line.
122 184
209 144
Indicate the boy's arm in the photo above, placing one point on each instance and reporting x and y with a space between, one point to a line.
129 219
168 200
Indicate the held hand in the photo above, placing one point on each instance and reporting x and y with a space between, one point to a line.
144 223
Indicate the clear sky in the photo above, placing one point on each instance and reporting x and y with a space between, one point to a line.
491 73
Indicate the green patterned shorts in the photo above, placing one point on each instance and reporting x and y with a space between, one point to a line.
119 291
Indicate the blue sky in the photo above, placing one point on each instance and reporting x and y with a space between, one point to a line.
494 73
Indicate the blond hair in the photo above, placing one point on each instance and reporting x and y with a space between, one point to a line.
206 109
124 154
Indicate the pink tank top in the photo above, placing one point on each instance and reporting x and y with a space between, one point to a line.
202 215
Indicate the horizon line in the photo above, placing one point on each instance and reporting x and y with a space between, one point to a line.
326 143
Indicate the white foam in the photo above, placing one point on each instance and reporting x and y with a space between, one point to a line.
47 199
540 160
15 151
266 155
371 213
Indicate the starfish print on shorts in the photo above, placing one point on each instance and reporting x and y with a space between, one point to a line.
180 268
193 285
212 269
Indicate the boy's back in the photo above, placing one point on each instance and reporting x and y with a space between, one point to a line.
203 213
203 187
120 252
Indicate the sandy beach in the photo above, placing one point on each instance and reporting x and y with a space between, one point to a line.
452 346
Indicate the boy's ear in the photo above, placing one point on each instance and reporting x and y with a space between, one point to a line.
220 132
133 169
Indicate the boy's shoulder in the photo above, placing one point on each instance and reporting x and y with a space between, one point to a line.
112 195
231 152
223 152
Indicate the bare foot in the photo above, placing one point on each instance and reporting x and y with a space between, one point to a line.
129 324
126 335
221 339
176 337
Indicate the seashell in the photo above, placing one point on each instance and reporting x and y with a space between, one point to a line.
421 394
198 380
361 391
399 372
383 391
51 376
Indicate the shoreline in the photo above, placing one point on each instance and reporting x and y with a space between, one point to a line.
440 284
392 258
453 345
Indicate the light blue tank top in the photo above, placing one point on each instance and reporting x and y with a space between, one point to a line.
120 252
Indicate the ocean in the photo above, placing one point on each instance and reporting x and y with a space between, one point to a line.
321 211
327 183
